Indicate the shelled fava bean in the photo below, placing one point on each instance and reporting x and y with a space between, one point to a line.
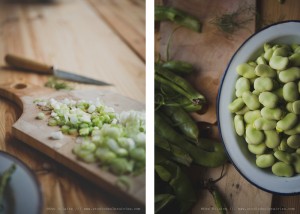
266 108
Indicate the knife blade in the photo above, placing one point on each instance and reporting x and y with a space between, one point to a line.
31 65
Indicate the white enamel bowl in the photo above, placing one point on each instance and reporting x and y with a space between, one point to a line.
285 32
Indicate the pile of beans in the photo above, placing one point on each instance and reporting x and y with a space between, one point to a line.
266 108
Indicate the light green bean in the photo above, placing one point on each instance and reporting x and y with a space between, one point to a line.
282 169
251 100
265 160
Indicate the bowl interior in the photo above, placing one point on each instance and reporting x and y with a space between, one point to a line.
236 147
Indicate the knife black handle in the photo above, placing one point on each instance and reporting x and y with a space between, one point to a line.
28 64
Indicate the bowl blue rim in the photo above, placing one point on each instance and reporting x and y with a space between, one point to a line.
218 101
30 173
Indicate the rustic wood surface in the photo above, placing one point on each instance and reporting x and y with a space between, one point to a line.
240 195
74 35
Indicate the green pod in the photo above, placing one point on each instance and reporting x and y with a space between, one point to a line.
215 157
163 13
290 92
265 160
179 67
242 85
251 100
251 116
268 99
246 70
286 123
183 121
264 124
271 113
239 125
278 62
262 84
272 139
295 59
236 105
289 75
257 149
253 135
264 70
293 141
283 156
282 169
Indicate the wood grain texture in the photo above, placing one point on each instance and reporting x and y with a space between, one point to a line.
124 17
73 36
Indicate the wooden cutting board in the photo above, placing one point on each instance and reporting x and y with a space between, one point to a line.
210 52
36 134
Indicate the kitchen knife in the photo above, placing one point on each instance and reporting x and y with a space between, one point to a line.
31 65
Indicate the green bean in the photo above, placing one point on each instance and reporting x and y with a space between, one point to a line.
265 160
183 121
286 123
263 70
236 105
253 135
296 162
242 85
290 92
289 75
272 139
257 149
268 54
243 111
251 100
281 51
179 67
283 156
246 70
282 169
279 62
296 107
295 59
251 116
271 113
163 13
264 124
261 61
239 125
268 99
293 131
293 141
262 84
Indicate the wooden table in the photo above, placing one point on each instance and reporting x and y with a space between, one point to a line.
102 39
241 196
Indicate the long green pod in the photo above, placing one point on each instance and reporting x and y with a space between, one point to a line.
179 67
219 201
180 183
183 121
180 85
173 152
4 181
214 158
161 200
163 13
